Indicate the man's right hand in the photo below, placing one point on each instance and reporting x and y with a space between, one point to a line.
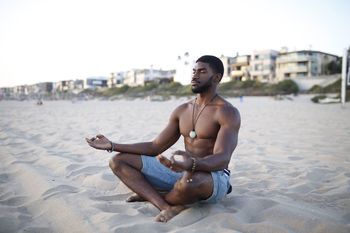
99 142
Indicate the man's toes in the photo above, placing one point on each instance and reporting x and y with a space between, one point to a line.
161 218
135 198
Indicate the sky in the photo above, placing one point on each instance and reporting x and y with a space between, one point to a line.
52 40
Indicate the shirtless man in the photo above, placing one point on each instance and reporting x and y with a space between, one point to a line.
209 126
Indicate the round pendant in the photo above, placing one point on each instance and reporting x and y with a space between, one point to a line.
193 134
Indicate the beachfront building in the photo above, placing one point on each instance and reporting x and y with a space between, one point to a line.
64 86
95 82
240 65
130 78
39 89
226 61
140 77
304 64
262 65
6 92
116 79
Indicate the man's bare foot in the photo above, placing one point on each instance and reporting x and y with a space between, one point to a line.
166 215
135 198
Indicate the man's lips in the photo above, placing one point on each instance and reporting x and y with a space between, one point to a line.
194 83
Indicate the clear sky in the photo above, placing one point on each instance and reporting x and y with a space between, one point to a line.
52 40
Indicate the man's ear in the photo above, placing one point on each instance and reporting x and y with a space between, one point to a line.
217 78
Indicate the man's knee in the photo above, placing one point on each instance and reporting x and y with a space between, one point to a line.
116 161
199 188
121 159
198 181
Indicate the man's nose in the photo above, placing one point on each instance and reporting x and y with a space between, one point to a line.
195 76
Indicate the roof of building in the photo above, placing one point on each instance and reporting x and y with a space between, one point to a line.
309 51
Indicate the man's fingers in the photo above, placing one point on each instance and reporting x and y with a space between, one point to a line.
179 152
88 140
163 160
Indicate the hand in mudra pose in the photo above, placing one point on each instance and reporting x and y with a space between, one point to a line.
99 142
179 161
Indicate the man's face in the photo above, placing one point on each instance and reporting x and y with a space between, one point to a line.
202 77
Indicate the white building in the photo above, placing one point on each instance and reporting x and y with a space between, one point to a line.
303 64
240 66
226 61
95 82
262 65
139 77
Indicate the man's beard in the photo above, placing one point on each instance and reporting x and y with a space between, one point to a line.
204 87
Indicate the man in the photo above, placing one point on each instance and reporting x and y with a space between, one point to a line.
209 126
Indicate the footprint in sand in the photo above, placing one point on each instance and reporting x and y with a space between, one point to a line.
61 189
37 230
117 197
4 178
90 170
14 201
295 158
116 208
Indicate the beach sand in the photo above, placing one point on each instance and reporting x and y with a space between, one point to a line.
290 171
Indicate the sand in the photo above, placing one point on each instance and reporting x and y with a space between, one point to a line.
290 170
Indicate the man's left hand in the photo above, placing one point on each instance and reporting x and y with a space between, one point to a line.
177 165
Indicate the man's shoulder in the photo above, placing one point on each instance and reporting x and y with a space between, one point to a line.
182 107
226 105
227 110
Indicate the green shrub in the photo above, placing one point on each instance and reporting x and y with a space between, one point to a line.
286 87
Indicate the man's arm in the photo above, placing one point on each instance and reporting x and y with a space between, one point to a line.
162 142
225 144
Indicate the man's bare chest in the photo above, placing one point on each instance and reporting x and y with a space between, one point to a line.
205 126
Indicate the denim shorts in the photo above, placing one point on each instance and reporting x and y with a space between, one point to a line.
162 178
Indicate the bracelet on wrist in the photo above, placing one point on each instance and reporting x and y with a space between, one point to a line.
112 147
194 164
193 169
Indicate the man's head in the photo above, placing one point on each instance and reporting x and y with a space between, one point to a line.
207 73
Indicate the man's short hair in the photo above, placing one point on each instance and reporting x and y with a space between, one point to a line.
214 63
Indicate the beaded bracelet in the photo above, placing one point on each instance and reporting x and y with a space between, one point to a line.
192 169
193 164
112 147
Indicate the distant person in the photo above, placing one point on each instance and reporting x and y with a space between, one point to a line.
209 125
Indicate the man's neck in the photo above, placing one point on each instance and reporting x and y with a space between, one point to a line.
206 97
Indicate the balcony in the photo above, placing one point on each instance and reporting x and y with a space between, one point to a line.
293 59
293 69
237 73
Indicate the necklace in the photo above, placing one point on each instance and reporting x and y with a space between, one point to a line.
193 133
